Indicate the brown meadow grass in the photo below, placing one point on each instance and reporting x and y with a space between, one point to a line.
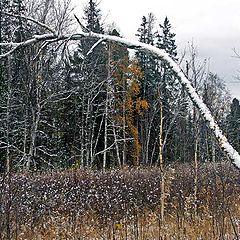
122 204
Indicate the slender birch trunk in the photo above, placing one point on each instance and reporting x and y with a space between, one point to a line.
7 132
34 129
105 133
195 175
117 147
8 115
161 160
106 107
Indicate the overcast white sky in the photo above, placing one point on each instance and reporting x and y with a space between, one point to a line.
213 25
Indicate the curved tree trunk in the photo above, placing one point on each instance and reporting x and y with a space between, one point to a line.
226 146
198 102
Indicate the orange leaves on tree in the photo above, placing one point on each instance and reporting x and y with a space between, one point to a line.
141 106
136 70
128 101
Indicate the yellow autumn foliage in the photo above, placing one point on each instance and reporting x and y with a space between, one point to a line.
134 88
141 106
128 102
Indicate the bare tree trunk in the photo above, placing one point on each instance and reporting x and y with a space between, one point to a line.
106 107
196 135
195 174
7 133
117 147
25 136
161 159
89 143
213 152
82 150
8 115
105 132
32 147
124 134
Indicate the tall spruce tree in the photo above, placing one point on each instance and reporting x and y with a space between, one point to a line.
12 69
89 73
166 41
146 34
169 88
149 65
4 36
97 58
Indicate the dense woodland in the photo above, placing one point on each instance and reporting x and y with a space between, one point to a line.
66 105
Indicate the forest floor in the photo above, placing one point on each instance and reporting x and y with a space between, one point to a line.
128 203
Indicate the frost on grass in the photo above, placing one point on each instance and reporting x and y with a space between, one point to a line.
29 200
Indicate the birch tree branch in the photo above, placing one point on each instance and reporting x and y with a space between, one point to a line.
94 46
31 20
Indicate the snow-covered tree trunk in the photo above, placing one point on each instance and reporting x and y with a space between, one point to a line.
225 145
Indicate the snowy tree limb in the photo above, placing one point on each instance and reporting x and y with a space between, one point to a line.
226 146
94 46
31 20
9 52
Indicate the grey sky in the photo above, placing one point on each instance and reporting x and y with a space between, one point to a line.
213 25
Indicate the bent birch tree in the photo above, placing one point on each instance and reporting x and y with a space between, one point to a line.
132 44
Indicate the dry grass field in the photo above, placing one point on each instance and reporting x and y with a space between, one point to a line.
122 204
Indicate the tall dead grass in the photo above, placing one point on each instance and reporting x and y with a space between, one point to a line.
121 204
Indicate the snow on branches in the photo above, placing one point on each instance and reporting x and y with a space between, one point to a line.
132 44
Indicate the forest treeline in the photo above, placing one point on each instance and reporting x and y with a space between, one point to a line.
68 105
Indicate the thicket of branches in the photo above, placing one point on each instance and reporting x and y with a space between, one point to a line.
69 105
